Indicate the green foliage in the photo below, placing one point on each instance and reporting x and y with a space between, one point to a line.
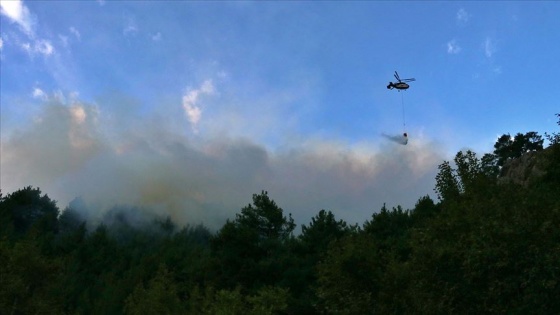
352 274
247 250
305 253
480 255
69 221
72 232
227 302
447 183
554 138
489 164
388 224
28 280
159 297
25 208
349 277
322 229
469 169
424 209
265 219
470 174
267 300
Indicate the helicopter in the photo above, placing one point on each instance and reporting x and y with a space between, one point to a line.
401 84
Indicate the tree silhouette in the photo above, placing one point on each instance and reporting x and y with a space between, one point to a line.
26 207
507 148
247 247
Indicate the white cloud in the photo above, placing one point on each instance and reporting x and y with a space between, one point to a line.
76 33
26 47
462 16
207 87
44 47
41 46
190 103
156 37
130 27
39 94
1 43
16 11
489 47
222 74
64 40
453 47
57 96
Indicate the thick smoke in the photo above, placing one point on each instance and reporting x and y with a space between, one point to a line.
76 150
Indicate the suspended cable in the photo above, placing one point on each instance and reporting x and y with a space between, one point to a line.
403 116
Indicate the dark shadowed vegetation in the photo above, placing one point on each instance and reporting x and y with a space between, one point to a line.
486 246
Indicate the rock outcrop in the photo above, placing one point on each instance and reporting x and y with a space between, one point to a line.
524 169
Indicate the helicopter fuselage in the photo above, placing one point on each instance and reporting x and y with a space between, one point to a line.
398 86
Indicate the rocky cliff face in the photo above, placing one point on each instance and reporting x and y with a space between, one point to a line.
524 169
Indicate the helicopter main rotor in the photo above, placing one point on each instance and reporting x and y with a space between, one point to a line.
403 80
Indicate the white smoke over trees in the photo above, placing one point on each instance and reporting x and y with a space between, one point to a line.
75 150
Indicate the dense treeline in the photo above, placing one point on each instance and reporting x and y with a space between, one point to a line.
485 246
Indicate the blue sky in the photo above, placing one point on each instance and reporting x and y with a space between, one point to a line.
190 107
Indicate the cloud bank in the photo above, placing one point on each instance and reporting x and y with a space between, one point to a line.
73 149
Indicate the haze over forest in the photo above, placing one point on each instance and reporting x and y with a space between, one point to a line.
488 244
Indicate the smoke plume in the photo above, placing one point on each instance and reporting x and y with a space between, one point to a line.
77 150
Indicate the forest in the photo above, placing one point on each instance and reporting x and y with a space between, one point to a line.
489 244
